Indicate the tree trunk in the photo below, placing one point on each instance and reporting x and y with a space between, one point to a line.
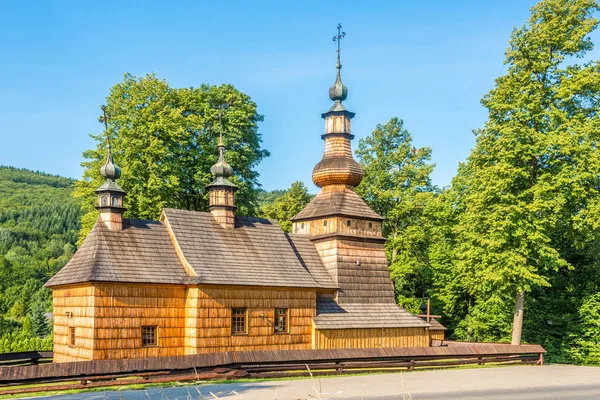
518 318
394 251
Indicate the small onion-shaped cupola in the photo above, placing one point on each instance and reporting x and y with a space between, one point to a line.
337 167
221 192
110 194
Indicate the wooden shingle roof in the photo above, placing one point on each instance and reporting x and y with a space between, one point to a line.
141 253
257 252
331 315
346 202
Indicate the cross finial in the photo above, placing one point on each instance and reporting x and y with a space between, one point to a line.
104 119
222 111
338 38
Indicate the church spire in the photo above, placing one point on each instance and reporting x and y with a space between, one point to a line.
110 194
337 168
221 192
338 92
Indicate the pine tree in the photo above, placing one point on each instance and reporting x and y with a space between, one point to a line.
39 322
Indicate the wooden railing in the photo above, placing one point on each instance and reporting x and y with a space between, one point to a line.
25 358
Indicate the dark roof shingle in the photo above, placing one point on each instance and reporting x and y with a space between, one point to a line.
256 252
331 315
345 202
141 253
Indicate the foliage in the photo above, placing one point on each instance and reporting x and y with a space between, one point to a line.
285 204
533 174
164 139
39 221
397 185
586 346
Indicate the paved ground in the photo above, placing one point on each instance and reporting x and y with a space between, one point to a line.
527 382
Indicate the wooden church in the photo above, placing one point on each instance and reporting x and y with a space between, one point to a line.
205 282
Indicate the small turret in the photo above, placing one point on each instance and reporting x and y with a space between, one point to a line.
221 198
110 194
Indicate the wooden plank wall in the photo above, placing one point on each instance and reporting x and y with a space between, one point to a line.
121 311
73 307
370 338
209 319
437 335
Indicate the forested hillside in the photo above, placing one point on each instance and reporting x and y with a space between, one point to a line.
39 221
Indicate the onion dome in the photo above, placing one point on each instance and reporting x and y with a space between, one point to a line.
338 91
337 171
110 170
221 169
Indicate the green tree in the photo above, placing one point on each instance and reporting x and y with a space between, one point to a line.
397 185
164 139
286 205
39 322
586 340
530 201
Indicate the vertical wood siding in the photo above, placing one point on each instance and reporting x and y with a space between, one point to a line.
121 311
210 328
73 307
371 338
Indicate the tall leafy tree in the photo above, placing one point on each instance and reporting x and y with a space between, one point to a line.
164 139
397 185
287 204
534 174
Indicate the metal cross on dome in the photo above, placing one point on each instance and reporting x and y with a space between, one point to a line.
338 38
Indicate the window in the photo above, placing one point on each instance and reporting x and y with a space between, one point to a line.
281 320
238 321
370 225
348 223
104 201
302 225
71 336
149 337
325 223
115 202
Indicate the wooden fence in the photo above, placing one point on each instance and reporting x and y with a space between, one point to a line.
279 363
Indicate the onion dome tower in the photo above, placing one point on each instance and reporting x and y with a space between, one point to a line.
344 229
110 194
221 198
337 166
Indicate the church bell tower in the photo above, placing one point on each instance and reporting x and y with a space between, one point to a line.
344 229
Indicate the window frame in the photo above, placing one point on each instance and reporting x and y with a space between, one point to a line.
155 334
276 321
238 315
72 336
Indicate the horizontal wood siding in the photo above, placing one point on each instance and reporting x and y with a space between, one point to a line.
437 335
121 311
73 307
371 338
208 326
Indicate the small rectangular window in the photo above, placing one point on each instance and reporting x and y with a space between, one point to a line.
238 321
149 336
348 223
281 320
72 336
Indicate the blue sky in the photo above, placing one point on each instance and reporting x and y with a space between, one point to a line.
428 63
